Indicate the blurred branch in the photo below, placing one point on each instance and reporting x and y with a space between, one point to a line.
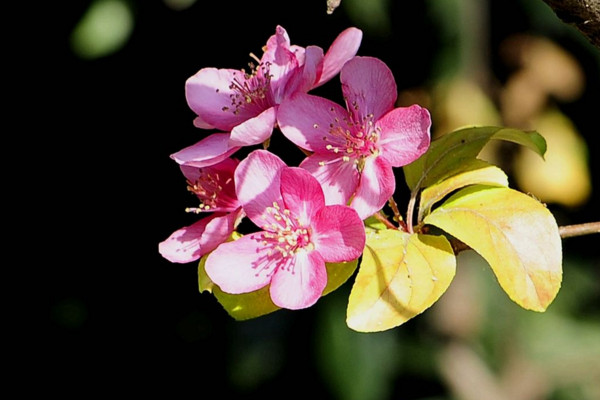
582 14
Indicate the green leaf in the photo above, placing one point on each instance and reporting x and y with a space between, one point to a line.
514 233
448 153
472 172
400 276
255 304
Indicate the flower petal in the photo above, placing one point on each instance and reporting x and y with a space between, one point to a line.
338 233
310 70
209 93
302 193
254 130
368 86
377 185
241 266
300 283
192 242
209 151
283 62
343 48
305 120
405 134
338 178
258 185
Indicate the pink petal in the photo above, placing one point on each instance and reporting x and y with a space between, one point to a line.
258 185
208 94
199 123
310 70
377 185
343 48
209 151
405 134
283 62
338 233
301 193
241 266
192 242
254 130
226 168
368 86
300 283
338 178
305 120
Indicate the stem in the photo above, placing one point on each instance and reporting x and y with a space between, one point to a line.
410 210
383 219
394 207
579 229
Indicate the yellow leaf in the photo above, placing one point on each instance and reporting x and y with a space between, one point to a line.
514 233
400 276
474 171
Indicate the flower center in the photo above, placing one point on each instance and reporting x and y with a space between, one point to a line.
285 237
253 91
353 140
212 191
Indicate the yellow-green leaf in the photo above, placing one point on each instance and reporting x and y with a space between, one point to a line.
514 233
473 172
255 304
449 152
400 276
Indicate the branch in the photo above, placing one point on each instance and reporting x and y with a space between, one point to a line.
565 231
582 14
579 230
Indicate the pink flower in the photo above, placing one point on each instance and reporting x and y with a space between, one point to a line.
354 149
299 235
245 104
214 186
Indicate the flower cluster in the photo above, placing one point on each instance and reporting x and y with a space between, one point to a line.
306 215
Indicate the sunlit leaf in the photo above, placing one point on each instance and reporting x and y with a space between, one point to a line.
103 29
400 276
255 304
449 152
514 233
474 171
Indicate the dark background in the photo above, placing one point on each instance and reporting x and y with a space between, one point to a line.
118 318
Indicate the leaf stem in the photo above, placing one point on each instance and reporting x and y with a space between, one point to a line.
385 221
411 209
579 229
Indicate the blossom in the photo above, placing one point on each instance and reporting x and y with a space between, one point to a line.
354 149
214 186
245 103
299 235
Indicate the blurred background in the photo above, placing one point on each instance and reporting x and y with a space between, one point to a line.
120 319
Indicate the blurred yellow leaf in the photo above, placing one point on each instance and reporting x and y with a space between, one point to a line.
514 233
400 276
564 177
473 172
